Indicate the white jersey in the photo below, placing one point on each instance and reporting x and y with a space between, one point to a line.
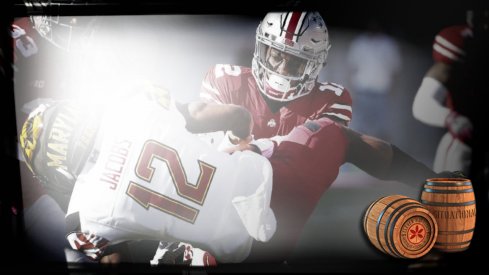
149 178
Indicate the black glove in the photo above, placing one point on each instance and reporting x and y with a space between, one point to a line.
173 255
180 253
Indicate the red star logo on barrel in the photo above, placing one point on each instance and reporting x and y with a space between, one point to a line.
417 233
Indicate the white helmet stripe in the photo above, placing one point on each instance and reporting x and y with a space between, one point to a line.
445 52
293 24
445 43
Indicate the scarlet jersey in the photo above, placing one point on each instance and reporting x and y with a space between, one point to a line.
149 178
305 164
230 84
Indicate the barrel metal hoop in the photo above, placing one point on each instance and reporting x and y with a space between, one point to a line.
380 218
445 184
404 207
454 204
367 213
448 191
459 249
451 244
455 232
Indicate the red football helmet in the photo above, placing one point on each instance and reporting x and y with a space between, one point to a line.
65 32
290 51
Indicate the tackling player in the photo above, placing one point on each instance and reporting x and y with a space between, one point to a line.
281 89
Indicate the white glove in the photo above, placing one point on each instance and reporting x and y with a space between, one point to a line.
17 32
24 43
459 126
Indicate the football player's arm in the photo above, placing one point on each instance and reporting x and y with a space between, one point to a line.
384 160
204 117
428 105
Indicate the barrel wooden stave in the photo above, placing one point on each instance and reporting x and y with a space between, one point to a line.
387 224
452 202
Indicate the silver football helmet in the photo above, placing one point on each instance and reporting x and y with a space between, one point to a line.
291 49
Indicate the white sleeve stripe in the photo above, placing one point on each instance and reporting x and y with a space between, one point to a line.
208 87
445 43
341 107
340 116
445 52
208 97
336 90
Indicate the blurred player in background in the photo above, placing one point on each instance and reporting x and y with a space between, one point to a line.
446 97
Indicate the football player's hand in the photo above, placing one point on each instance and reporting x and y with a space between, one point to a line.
243 131
459 126
17 32
232 143
239 141
180 253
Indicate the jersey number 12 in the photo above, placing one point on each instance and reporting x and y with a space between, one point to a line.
187 191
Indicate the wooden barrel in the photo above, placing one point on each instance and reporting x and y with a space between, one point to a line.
400 226
452 202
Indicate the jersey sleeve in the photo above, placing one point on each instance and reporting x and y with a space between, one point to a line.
222 84
254 209
448 46
336 103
